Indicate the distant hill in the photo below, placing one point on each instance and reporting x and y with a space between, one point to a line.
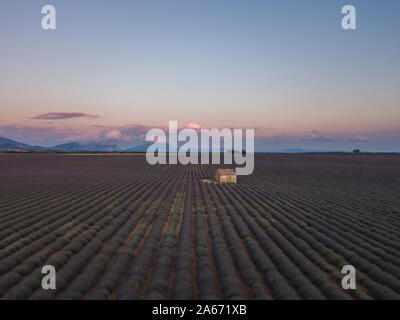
304 151
12 145
8 144
143 148
73 146
91 146
139 148
109 146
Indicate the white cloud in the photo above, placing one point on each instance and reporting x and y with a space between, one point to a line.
114 135
193 125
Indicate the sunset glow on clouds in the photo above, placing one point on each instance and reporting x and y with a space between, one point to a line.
193 125
132 135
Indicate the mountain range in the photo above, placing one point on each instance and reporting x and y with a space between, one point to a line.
12 145
103 146
16 146
91 146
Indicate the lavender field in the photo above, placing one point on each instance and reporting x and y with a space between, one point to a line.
115 227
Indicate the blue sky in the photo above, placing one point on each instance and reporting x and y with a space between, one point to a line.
285 68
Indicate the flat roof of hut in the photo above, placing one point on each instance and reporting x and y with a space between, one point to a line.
225 176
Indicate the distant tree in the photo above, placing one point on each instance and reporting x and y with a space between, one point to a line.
356 151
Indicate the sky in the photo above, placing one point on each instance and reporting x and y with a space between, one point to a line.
112 70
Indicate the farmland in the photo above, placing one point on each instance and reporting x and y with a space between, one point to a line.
118 228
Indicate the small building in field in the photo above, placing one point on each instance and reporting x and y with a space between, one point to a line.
225 176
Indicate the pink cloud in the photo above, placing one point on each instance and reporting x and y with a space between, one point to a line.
63 115
117 135
318 136
193 125
114 134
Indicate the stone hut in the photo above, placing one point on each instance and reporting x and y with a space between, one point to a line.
225 176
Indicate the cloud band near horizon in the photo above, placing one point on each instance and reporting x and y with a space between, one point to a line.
63 115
